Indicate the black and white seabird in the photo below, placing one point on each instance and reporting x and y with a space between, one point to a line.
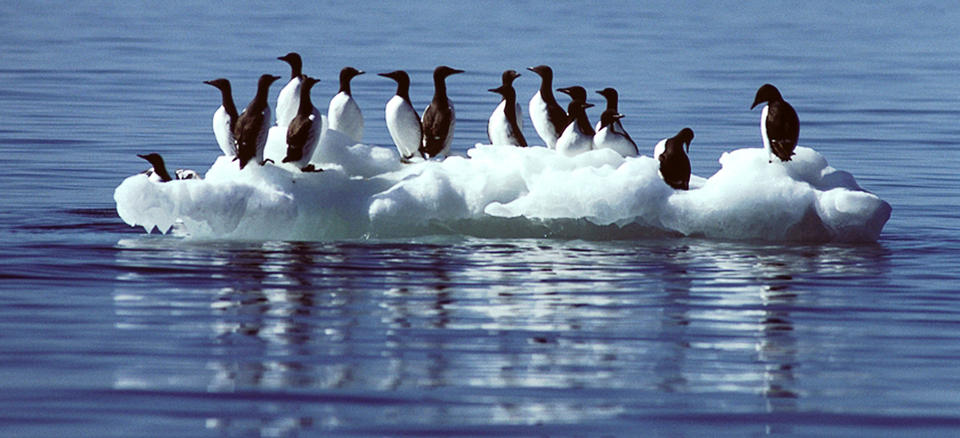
158 171
303 133
504 125
402 119
225 118
344 114
548 117
289 99
508 77
779 124
439 117
674 163
253 124
577 137
610 132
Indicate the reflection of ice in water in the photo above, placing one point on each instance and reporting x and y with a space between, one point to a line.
515 332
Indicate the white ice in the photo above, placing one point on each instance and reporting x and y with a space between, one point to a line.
504 191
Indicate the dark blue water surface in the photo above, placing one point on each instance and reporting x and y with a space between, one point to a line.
106 331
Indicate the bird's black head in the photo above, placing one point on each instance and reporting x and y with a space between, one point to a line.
348 73
292 58
508 76
543 70
308 82
608 93
153 158
576 92
502 90
396 75
685 136
767 93
221 83
266 80
444 71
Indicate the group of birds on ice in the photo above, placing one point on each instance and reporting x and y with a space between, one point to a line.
243 135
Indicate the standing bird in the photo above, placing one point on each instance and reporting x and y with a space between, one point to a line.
612 101
289 99
303 134
577 137
402 119
504 126
253 124
158 171
674 163
507 78
225 118
610 132
779 125
439 117
344 114
577 94
547 115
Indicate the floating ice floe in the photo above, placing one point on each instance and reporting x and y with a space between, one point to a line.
505 191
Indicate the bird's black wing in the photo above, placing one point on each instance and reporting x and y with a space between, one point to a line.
297 135
783 129
558 117
247 133
436 125
675 169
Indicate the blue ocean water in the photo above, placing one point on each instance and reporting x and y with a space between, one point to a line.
106 331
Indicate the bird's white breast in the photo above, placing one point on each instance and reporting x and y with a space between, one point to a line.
609 138
344 116
659 149
221 130
574 141
288 102
503 104
763 132
404 126
538 115
498 127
